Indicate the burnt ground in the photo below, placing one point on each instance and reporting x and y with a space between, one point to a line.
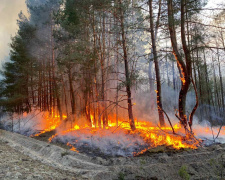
84 149
15 165
161 163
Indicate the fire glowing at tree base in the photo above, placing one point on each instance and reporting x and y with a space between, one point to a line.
120 140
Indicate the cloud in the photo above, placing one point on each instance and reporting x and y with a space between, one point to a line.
9 10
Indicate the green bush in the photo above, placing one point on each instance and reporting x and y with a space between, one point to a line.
183 173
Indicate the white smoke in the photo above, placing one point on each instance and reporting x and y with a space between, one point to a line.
107 142
26 124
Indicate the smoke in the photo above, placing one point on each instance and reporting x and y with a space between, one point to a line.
100 142
26 124
103 142
143 109
208 133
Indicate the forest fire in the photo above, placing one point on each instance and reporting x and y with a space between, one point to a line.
50 123
85 85
136 142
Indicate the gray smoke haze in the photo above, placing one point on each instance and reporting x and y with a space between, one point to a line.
9 10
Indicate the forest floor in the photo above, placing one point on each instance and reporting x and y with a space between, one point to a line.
27 158
16 165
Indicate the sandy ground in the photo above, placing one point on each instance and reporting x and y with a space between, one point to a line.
47 161
15 165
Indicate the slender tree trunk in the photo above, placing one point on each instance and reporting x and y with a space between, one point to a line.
72 96
105 123
221 80
174 80
127 72
95 89
65 95
157 71
56 89
216 92
151 82
117 38
167 69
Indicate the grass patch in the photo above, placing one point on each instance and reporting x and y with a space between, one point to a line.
183 173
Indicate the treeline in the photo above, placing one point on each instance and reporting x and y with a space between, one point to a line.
87 58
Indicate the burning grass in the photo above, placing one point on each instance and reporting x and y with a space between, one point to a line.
117 140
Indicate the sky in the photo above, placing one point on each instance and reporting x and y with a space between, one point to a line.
9 10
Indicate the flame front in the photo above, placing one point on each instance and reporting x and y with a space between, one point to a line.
50 123
151 135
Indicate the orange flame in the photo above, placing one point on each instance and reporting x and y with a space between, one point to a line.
72 147
50 123
152 135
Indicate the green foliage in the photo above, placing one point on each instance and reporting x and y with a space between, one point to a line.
142 161
71 12
121 176
14 90
65 153
183 173
69 17
212 162
218 166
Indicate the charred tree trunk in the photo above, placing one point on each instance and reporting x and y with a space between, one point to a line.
186 70
184 88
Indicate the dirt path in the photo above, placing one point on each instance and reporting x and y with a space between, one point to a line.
15 165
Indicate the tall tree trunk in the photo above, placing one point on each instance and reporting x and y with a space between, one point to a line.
151 82
72 96
216 91
157 71
103 60
127 72
221 80
185 68
174 80
65 95
56 89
